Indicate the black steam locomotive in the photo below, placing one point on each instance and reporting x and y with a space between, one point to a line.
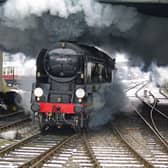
67 77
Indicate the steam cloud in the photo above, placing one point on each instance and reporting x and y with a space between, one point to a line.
95 14
158 75
107 102
27 25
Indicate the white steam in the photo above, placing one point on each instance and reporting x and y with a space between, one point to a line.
159 75
23 66
96 14
125 71
10 135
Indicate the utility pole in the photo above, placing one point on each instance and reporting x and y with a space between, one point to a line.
1 64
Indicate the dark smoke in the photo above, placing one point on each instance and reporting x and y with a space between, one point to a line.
148 40
27 26
108 101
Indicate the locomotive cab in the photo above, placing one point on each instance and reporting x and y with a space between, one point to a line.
62 88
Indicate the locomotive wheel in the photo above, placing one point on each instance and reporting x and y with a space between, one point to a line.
42 123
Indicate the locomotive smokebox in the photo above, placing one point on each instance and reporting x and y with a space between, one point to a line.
65 76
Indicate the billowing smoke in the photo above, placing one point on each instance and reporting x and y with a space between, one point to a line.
27 25
107 102
95 14
158 75
148 41
128 71
112 99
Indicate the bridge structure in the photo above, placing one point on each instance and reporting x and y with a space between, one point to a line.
157 8
137 1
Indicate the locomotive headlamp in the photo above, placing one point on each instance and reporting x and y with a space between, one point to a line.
80 93
38 92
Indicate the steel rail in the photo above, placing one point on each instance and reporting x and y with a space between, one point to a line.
42 158
162 93
153 130
153 107
89 150
132 87
136 94
10 114
9 125
6 150
162 141
137 154
152 119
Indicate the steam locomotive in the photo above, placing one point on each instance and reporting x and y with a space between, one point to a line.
67 77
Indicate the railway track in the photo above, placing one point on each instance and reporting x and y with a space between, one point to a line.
36 150
11 120
27 152
154 119
7 115
157 143
143 140
79 150
133 86
84 151
6 125
162 92
111 149
73 153
107 148
150 121
96 149
152 143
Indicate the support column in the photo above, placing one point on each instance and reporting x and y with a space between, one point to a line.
1 64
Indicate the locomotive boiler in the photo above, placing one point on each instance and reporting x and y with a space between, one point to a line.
67 77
